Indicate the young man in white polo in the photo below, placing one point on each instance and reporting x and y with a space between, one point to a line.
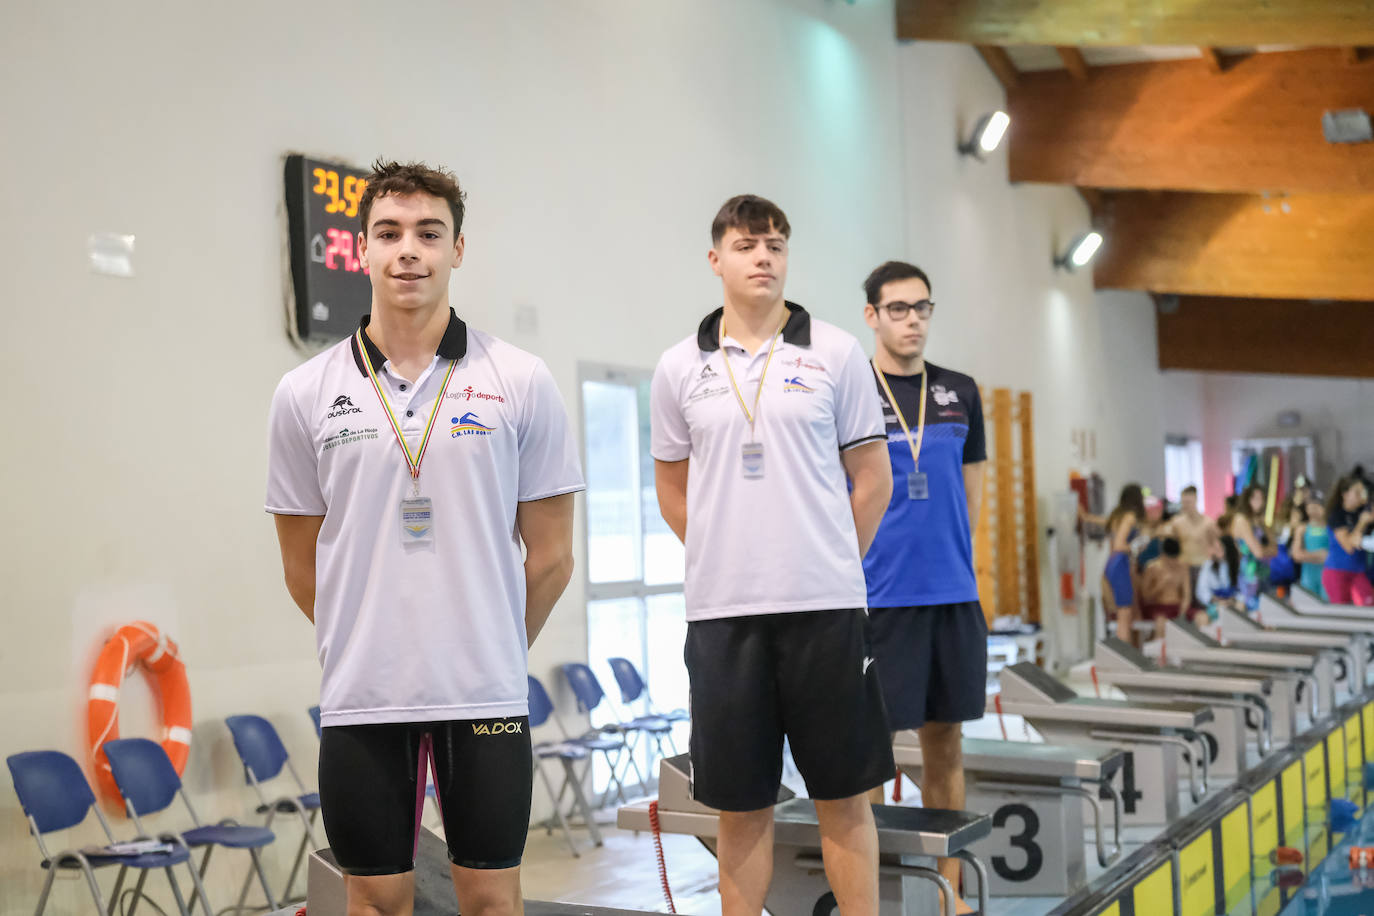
925 622
759 420
407 466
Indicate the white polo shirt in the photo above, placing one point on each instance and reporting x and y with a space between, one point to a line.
786 541
420 632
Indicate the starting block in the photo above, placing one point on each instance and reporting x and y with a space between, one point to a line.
1035 794
434 895
1234 700
1241 631
1185 645
1154 734
910 840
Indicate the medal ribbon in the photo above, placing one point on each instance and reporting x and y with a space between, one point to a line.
413 459
749 415
920 422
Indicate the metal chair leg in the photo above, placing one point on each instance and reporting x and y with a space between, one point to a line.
982 872
262 879
176 891
119 886
138 890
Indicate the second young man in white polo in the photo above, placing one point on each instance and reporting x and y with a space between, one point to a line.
759 421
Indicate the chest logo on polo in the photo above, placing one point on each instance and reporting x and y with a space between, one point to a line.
707 372
348 436
943 396
795 384
472 394
469 425
342 406
799 363
497 728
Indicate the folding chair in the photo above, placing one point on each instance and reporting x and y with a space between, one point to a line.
55 795
566 752
587 689
632 689
149 784
264 757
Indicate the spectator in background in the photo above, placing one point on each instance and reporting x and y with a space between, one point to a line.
1197 534
1349 519
1118 577
1165 590
1254 543
1310 543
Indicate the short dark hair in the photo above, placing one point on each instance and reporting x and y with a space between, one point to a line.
749 213
1171 547
888 272
412 178
1189 489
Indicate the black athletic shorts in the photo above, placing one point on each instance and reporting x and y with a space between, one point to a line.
932 662
372 791
805 675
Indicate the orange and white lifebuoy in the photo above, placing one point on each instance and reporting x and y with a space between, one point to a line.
138 643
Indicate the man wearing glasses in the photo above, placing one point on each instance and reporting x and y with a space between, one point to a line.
925 623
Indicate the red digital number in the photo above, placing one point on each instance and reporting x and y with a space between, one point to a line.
341 246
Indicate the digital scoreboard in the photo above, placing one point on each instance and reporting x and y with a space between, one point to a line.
331 290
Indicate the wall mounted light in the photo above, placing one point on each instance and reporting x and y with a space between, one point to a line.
987 135
1080 252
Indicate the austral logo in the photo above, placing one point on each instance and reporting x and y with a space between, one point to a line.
472 394
469 425
497 728
342 406
348 436
796 384
707 372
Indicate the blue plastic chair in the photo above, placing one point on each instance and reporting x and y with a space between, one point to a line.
567 752
149 784
55 795
587 689
315 717
658 725
264 757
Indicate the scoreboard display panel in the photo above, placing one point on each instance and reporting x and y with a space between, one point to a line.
330 287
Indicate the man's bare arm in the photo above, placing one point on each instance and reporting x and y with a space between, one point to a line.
871 472
546 527
670 480
297 535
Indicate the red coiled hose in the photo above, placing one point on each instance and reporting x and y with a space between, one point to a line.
658 850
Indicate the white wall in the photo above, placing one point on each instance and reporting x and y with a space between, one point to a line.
1337 413
596 141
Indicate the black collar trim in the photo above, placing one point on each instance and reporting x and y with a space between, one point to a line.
797 330
453 345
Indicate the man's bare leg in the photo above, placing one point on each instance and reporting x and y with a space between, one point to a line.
942 778
744 852
380 895
488 891
849 845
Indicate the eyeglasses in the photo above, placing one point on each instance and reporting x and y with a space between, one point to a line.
899 310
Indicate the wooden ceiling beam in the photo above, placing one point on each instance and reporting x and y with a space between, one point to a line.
1303 246
1309 23
1173 125
1001 66
1292 337
1073 62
